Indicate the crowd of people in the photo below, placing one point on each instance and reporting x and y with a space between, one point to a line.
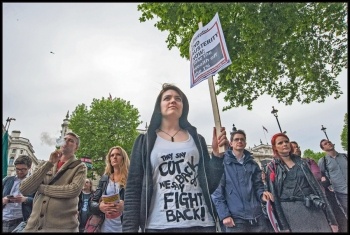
171 183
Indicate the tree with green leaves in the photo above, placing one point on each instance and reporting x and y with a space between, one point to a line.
290 51
107 123
344 134
308 153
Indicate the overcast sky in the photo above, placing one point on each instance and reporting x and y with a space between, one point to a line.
102 48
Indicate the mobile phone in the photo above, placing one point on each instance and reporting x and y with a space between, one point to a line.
10 196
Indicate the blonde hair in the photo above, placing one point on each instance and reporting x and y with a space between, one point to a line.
91 187
124 167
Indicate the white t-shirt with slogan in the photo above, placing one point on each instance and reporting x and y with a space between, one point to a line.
177 200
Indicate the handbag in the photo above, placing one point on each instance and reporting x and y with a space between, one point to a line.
93 224
20 227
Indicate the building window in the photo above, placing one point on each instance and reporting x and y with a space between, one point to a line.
21 151
14 150
11 161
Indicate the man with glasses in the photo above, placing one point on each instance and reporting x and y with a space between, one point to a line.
15 206
334 170
241 190
55 208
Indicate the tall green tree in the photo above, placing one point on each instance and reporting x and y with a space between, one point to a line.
344 134
290 51
314 155
106 123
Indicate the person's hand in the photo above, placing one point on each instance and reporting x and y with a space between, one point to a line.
228 222
114 209
220 140
334 228
112 214
267 196
119 206
5 200
19 199
103 206
55 156
323 179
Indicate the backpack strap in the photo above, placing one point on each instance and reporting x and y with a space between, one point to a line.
325 165
345 155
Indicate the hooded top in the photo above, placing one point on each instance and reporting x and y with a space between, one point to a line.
139 188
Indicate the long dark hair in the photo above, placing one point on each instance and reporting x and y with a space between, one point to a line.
157 117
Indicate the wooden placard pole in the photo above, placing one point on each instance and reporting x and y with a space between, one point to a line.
214 104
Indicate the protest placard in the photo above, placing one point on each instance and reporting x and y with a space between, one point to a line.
208 52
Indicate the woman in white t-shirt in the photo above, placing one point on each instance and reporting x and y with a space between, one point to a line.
171 173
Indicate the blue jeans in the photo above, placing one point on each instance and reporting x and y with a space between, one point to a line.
343 201
8 226
250 226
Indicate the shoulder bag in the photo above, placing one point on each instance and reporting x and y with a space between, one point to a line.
94 222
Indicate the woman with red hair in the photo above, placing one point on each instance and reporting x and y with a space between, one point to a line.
300 205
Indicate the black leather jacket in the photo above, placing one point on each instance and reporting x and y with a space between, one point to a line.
101 189
275 167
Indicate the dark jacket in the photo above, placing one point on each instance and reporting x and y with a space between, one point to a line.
240 190
275 176
138 194
80 207
140 184
7 184
101 190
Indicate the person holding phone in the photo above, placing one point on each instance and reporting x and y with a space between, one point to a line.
15 206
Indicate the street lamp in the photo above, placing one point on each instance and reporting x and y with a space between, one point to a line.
8 122
274 112
324 130
233 129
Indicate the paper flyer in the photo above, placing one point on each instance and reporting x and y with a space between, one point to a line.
111 198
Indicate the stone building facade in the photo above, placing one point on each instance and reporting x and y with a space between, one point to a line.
19 146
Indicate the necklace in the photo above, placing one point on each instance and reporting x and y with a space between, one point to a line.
115 186
172 137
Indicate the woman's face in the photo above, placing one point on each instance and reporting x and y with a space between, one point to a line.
87 184
171 104
116 157
282 146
